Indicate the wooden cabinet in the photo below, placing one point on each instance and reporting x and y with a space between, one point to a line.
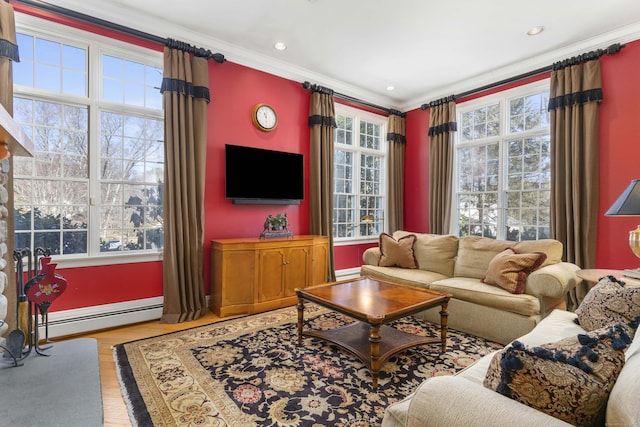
253 275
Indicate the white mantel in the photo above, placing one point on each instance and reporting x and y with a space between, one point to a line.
12 134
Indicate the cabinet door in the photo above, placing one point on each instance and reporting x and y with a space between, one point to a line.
296 269
319 263
272 267
238 277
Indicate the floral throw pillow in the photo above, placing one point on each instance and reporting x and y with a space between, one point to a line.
509 269
570 379
397 253
610 301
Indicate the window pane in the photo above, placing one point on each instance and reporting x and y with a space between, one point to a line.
51 66
132 175
52 189
131 83
359 176
504 197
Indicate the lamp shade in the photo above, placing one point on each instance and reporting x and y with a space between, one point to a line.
628 203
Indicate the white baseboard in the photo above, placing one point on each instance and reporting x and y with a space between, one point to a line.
86 319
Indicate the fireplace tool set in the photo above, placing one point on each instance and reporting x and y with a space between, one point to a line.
34 296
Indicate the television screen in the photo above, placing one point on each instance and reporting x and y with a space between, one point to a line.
259 176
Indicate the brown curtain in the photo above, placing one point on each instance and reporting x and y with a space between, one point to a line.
186 95
8 54
442 125
397 141
322 121
575 95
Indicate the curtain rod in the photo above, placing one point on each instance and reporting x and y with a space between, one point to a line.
309 86
614 48
68 13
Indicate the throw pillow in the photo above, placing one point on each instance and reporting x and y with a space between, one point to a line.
609 302
570 379
509 269
397 253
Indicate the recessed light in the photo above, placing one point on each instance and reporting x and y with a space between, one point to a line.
390 88
280 46
535 30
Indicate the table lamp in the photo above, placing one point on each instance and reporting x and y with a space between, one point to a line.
628 204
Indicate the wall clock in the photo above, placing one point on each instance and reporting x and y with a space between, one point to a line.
264 117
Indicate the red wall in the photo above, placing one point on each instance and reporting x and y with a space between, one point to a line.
619 153
235 89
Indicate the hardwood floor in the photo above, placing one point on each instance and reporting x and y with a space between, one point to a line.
115 410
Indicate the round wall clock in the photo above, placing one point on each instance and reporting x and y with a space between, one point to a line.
264 117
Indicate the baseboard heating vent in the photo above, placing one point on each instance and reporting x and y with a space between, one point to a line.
86 319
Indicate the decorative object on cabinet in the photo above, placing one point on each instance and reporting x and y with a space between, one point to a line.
250 275
628 204
276 226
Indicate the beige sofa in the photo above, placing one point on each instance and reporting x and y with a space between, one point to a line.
456 265
462 400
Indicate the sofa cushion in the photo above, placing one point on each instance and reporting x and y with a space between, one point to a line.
472 290
434 252
609 302
551 247
397 253
415 277
509 269
475 253
578 371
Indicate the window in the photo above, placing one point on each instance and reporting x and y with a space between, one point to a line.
93 108
502 164
360 174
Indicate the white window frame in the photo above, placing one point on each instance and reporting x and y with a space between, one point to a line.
502 98
382 121
96 46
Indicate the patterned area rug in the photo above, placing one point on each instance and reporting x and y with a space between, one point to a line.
252 372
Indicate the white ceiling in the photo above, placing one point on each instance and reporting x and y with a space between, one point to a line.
425 48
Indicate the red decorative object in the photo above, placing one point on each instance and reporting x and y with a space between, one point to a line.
50 286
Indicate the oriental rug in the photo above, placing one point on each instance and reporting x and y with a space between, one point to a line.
250 371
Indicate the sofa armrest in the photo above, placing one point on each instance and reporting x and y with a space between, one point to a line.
553 280
453 401
371 256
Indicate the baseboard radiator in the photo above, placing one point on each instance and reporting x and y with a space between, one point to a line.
87 319
348 273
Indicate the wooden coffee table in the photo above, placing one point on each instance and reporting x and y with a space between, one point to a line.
373 303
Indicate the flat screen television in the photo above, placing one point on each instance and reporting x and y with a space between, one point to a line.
265 177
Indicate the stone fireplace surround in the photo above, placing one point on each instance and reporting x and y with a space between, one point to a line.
12 138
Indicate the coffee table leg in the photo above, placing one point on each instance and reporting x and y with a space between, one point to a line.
374 341
300 308
444 319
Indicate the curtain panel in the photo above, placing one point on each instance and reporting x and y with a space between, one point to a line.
575 95
397 140
322 122
185 95
442 125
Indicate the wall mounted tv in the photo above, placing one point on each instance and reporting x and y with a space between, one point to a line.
263 177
